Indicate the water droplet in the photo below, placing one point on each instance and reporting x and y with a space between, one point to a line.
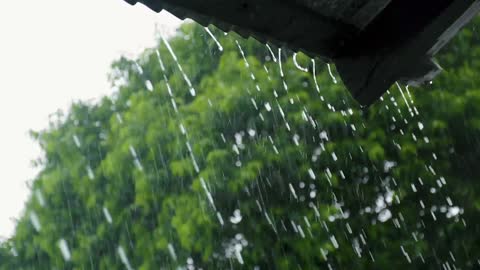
35 221
237 217
171 250
40 199
90 173
268 107
384 215
297 65
107 215
220 48
334 241
420 125
123 257
77 141
149 85
292 190
62 244
220 218
271 53
453 211
295 139
331 74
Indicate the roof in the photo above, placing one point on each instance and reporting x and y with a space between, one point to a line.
373 43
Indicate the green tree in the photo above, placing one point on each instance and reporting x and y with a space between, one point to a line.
241 158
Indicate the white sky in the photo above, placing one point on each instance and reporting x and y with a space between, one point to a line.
51 53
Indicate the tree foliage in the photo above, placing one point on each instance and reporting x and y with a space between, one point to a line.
239 158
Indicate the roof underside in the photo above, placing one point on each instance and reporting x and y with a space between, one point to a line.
355 12
373 43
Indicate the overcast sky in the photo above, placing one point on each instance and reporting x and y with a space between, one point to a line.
51 53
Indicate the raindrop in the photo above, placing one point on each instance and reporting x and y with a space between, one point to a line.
62 244
449 201
311 174
334 241
331 74
123 258
242 53
90 173
453 211
132 151
323 135
119 118
187 80
420 125
220 218
237 217
280 62
172 252
182 129
404 98
300 231
207 192
35 221
271 52
388 165
40 199
238 249
160 60
406 254
297 65
77 141
14 252
315 76
268 107
384 215
107 215
293 191
139 68
149 85
295 139
235 149
220 48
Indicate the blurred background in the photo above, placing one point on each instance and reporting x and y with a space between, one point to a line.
52 53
